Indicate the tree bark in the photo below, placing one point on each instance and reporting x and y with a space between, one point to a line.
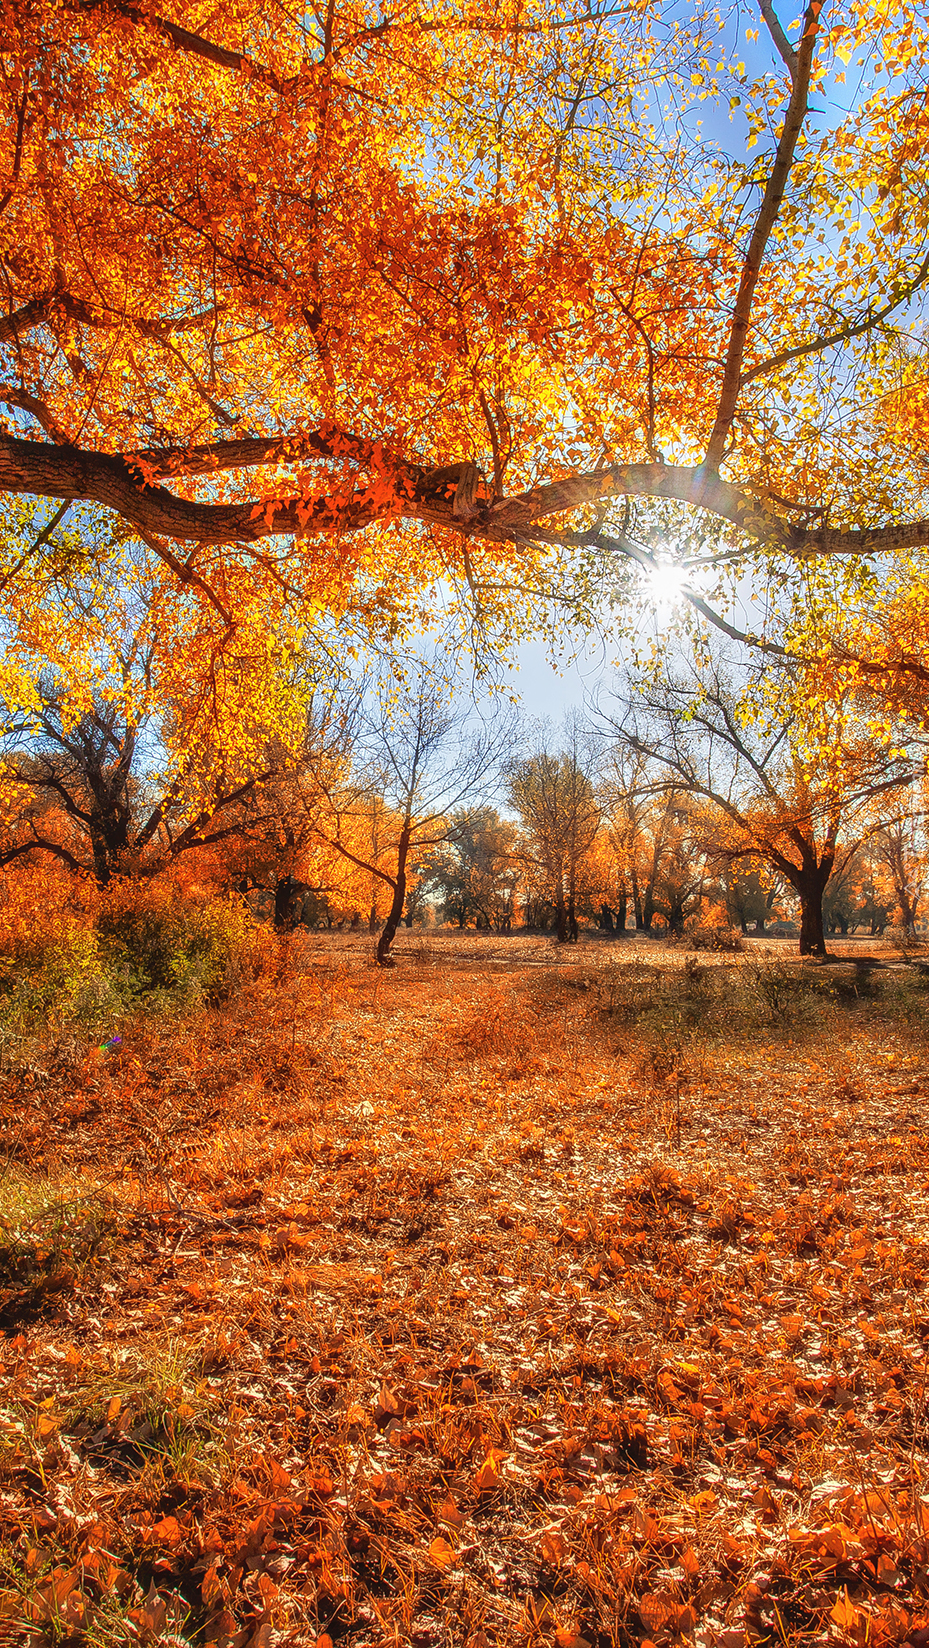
812 935
676 919
808 881
50 470
282 897
394 914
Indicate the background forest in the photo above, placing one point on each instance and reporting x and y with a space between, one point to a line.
688 806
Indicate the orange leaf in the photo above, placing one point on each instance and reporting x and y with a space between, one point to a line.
488 1477
442 1553
449 1513
657 1610
844 1613
168 1531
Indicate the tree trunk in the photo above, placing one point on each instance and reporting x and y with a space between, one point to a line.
606 918
561 919
909 903
637 904
622 911
389 931
648 910
102 849
282 897
676 919
812 936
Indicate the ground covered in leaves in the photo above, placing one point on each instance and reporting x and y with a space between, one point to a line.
515 1296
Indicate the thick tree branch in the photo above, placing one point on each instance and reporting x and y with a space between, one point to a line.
417 493
13 395
38 310
191 836
249 451
183 40
786 50
40 845
767 217
8 194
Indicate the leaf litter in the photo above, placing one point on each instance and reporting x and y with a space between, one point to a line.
434 1307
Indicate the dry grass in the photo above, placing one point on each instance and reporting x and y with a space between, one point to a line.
513 1297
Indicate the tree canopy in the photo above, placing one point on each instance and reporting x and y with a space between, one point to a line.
336 306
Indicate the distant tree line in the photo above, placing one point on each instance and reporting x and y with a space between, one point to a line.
680 804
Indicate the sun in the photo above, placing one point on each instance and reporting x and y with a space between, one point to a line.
665 582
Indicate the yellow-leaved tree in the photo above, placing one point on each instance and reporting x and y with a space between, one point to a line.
337 308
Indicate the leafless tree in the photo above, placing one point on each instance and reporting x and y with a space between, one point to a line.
425 754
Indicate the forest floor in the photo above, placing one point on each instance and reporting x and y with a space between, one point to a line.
512 1296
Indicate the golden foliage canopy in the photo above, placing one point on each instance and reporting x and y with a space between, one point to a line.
345 302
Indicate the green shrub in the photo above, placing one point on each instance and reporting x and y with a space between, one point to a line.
145 948
170 951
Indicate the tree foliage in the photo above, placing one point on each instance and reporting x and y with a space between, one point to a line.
333 307
772 801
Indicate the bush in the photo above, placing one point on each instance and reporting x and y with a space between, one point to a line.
723 939
786 994
901 939
176 951
132 947
47 1237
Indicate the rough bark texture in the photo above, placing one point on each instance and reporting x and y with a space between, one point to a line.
812 934
129 484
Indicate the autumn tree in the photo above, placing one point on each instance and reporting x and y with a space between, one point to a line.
78 787
647 824
126 741
800 812
485 330
680 878
604 887
900 849
474 872
848 900
751 895
418 757
553 796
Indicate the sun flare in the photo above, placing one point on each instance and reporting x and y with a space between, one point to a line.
664 583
